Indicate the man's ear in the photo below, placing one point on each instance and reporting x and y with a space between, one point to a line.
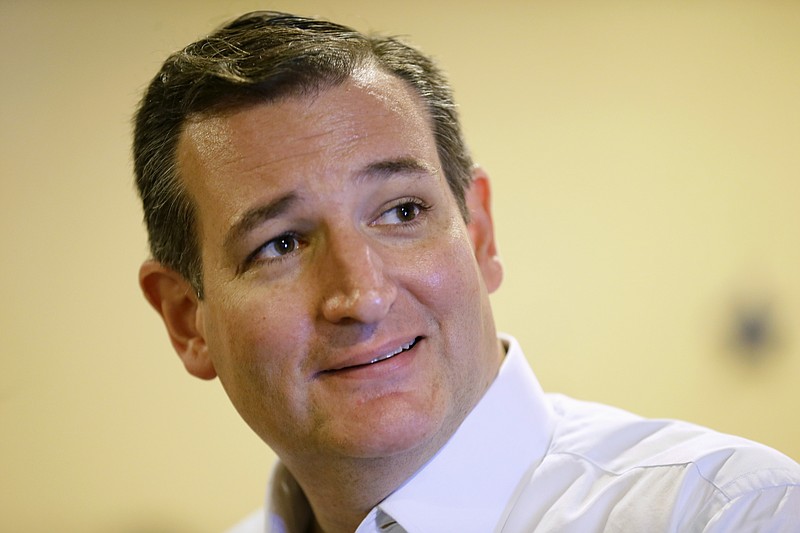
175 300
481 229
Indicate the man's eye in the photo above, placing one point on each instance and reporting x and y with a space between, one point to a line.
407 212
279 246
273 250
401 213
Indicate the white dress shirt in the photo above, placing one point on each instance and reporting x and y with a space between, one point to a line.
524 461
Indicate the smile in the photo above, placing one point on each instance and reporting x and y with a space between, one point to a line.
392 354
379 359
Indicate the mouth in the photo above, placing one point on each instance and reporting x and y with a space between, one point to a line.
380 358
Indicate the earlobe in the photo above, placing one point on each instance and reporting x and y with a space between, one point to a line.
481 229
174 299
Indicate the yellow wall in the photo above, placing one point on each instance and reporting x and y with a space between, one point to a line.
646 158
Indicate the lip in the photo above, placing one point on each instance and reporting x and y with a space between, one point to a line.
373 358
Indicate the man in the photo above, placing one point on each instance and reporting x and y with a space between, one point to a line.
323 244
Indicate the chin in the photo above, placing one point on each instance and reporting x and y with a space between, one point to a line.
400 432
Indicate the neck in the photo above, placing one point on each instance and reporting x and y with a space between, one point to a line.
342 493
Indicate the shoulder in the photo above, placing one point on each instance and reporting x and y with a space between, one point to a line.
617 440
672 471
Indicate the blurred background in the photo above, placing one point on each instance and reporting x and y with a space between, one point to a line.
646 167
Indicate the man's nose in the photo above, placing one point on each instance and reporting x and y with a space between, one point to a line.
353 280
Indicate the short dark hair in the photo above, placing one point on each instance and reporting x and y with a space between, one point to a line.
259 57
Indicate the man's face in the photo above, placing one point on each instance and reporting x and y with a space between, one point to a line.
345 311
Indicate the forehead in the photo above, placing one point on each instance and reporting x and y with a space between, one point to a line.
369 103
299 142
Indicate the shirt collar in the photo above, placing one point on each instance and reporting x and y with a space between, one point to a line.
467 485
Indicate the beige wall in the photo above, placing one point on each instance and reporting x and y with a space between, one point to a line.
646 166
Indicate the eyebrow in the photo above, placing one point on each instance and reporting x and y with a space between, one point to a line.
253 217
386 169
393 167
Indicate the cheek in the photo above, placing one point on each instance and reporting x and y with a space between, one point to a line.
260 321
457 296
447 277
253 343
256 354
